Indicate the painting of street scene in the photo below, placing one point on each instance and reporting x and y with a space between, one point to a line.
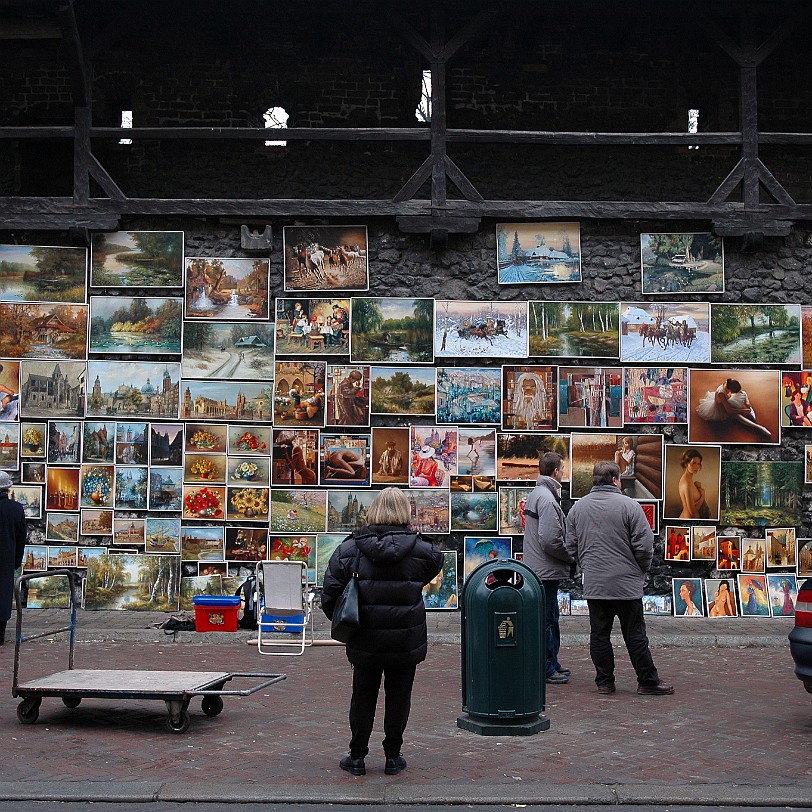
325 257
518 455
10 447
347 510
755 334
403 390
429 509
30 330
655 395
299 397
469 395
761 494
682 263
313 326
51 389
215 400
127 388
512 502
233 349
480 329
137 259
42 273
538 253
142 326
575 329
391 330
145 582
227 289
664 333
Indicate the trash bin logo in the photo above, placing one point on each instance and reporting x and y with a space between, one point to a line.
505 629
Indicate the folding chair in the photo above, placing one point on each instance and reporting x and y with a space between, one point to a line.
285 603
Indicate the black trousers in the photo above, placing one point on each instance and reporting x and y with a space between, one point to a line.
602 614
397 687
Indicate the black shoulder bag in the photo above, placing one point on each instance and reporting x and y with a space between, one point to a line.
347 614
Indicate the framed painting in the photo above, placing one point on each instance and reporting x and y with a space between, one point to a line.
433 455
346 509
478 550
780 547
754 600
64 442
779 484
579 607
249 440
299 510
33 473
9 390
473 329
429 510
390 456
52 389
405 391
734 406
754 554
326 544
42 273
61 488
295 460
655 395
677 543
52 591
651 510
204 502
98 441
206 437
136 259
227 289
96 522
246 543
213 568
249 471
229 349
84 555
720 597
728 552
299 393
96 486
59 557
199 543
131 443
30 497
657 604
796 399
192 586
476 452
692 482
62 527
221 400
295 548
166 443
384 330
125 388
128 532
783 591
131 487
348 395
35 558
204 467
538 253
703 543
33 440
682 263
804 558
345 460
10 447
325 258
806 335
512 502
760 333
574 329
563 597
518 455
529 398
313 326
135 325
664 333
247 504
590 397
43 330
166 488
473 484
469 395
442 591
474 512
687 597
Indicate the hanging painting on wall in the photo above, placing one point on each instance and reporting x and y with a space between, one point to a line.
478 550
345 459
511 510
474 512
780 547
348 395
43 330
9 391
664 333
754 600
295 457
10 447
806 333
682 263
529 398
52 389
687 596
390 456
126 388
429 510
728 552
796 399
476 452
166 443
313 326
298 510
402 390
230 349
487 329
325 257
42 273
220 400
162 536
590 397
538 253
136 325
575 329
441 591
469 395
299 393
518 455
96 522
433 456
761 494
226 288
30 497
136 259
655 395
692 482
391 330
720 597
757 333
783 592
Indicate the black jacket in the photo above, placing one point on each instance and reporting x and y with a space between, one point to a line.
394 566
13 530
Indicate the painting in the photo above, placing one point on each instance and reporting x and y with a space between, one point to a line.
390 455
206 502
433 456
754 554
62 527
204 467
192 586
33 440
325 257
759 333
478 550
10 447
198 543
246 543
298 510
761 494
538 253
228 350
42 273
299 393
682 263
406 391
206 437
136 259
804 558
140 582
165 488
657 604
250 440
469 395
30 497
703 543
126 388
64 441
664 333
783 591
734 406
43 330
50 389
796 399
162 536
221 400
780 547
131 443
131 487
249 471
61 488
295 548
728 552
442 591
128 532
346 510
384 330
473 484
806 334
135 325
227 289
49 592
511 510
165 443
429 509
33 473
348 395
84 555
59 557
720 597
247 504
9 391
35 558
677 543
326 544
98 441
295 457
518 455
345 459
96 486
574 329
313 326
529 398
476 452
96 522
474 512
590 397
655 395
754 600
486 329
687 597
692 482
651 510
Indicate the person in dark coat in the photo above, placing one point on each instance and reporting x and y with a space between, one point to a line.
13 532
393 564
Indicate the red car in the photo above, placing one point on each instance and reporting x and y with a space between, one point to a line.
800 638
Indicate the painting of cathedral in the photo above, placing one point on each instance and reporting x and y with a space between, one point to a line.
223 400
347 510
127 388
52 389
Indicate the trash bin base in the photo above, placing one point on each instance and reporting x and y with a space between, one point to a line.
503 727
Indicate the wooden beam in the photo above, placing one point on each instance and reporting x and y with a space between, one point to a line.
73 50
412 186
460 181
263 134
724 189
470 30
101 176
416 40
772 185
81 157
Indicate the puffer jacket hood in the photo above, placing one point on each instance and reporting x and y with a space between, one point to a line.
384 545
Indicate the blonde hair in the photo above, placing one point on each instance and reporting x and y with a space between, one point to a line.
390 507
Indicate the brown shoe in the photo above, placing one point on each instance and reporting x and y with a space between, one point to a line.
606 689
660 689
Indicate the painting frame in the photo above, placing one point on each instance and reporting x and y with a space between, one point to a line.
399 391
468 328
545 249
116 391
678 332
230 350
655 395
44 331
726 322
516 463
343 248
678 470
204 300
312 327
52 389
594 395
146 316
169 256
468 396
559 329
26 263
227 402
684 255
388 330
757 603
529 398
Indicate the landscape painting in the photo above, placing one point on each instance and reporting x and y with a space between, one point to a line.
230 349
682 263
295 510
402 390
216 400
137 259
575 329
474 511
137 325
49 389
325 257
96 522
761 494
10 447
140 582
676 332
162 536
538 253
30 497
590 397
199 543
30 330
384 330
476 453
755 334
313 326
518 455
529 398
655 395
133 389
98 441
62 527
42 273
227 289
487 329
469 395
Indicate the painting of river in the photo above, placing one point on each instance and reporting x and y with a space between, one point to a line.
575 329
227 289
42 273
538 253
391 330
140 582
137 259
141 326
755 334
30 330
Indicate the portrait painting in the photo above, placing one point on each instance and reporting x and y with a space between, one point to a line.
229 349
10 447
42 273
776 486
720 597
757 333
476 453
754 600
478 550
804 558
222 400
529 398
783 591
429 508
98 441
734 406
692 482
472 511
345 459
682 263
469 395
512 502
320 257
30 497
96 486
227 289
136 259
206 437
199 543
247 504
677 543
655 395
664 333
132 389
442 591
161 536
390 456
574 329
139 325
62 527
407 391
9 391
295 460
61 488
298 510
687 597
52 389
433 455
165 443
518 455
480 329
96 522
754 555
313 326
299 393
590 397
246 543
348 395
166 488
728 552
780 547
796 399
395 331
538 253
43 330
703 543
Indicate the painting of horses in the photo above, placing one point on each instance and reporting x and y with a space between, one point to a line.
682 263
538 253
325 258
471 329
664 332
227 289
755 333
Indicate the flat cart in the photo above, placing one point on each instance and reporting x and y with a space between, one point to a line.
175 688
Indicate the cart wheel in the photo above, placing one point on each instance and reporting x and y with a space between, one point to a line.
71 701
212 705
183 723
28 710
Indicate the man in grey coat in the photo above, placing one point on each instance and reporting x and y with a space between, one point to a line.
610 536
544 553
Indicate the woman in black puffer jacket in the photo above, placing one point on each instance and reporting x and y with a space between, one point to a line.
394 565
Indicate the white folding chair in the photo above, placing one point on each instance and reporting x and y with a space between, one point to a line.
285 608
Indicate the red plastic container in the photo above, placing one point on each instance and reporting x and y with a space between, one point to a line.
216 613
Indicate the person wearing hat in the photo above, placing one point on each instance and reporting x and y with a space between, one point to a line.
426 472
13 532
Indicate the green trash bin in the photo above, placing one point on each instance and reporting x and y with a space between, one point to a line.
503 651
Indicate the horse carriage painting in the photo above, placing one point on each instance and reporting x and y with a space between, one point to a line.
480 329
664 333
325 258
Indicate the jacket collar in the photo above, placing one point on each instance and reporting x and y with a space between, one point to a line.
551 483
605 489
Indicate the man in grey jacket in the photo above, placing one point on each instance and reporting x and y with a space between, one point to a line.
611 538
544 553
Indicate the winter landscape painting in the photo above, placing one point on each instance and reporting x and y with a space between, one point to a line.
538 253
229 349
491 329
664 333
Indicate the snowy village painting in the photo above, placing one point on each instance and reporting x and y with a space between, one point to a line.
137 259
42 273
469 329
682 263
539 253
664 333
226 288
228 349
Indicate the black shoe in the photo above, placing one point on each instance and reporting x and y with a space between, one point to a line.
606 689
660 689
557 679
565 671
394 765
352 765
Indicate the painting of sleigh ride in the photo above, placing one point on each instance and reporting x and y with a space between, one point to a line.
146 582
229 349
480 329
391 330
129 324
30 330
574 329
137 259
682 263
42 273
538 253
325 258
664 333
226 289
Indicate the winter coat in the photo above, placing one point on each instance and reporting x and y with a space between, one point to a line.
610 536
13 532
544 549
394 566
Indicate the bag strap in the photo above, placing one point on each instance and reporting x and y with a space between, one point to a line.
356 564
